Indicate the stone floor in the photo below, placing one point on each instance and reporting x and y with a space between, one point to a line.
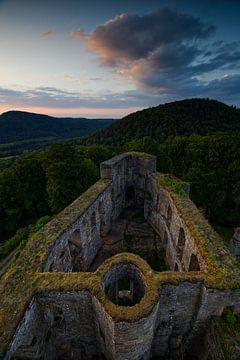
132 233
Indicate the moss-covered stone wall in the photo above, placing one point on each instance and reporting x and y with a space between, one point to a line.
44 305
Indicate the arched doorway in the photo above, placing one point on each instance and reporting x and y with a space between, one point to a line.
181 243
130 197
194 264
76 251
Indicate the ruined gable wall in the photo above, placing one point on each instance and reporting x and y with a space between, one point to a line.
124 171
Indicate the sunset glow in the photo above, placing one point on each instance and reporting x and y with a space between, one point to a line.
110 58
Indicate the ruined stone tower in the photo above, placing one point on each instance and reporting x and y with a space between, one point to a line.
129 271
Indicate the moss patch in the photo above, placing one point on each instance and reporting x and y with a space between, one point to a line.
228 335
172 183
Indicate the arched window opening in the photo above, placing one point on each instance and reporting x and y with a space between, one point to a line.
181 237
176 267
119 169
194 264
112 196
34 341
181 243
75 238
101 208
149 212
93 220
169 216
165 238
140 201
130 197
103 221
62 254
76 251
48 337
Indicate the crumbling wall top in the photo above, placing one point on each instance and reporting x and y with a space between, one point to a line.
143 161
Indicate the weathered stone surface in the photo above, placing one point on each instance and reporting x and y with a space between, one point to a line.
165 314
235 243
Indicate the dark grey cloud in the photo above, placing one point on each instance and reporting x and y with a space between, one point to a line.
167 53
133 37
226 89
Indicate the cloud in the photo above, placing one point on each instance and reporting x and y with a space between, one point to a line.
48 33
77 34
59 98
225 89
132 37
166 52
58 102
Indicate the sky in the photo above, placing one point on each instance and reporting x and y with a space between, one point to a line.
108 58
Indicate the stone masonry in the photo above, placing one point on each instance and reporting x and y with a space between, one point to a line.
55 307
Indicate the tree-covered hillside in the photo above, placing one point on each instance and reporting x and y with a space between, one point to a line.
40 184
22 126
199 116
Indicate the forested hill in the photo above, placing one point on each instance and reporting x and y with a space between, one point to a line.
20 126
200 116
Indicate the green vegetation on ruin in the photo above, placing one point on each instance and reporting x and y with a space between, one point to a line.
24 277
223 270
40 184
172 183
228 331
18 284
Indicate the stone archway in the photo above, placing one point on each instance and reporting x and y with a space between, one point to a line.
194 263
76 251
130 197
181 243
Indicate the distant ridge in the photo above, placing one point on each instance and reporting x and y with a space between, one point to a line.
21 126
199 116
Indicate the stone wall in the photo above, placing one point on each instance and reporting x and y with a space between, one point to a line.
59 326
82 237
178 306
167 315
73 325
181 250
28 340
77 247
133 340
235 243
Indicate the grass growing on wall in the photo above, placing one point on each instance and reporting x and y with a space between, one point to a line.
174 184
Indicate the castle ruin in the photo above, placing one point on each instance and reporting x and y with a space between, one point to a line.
130 270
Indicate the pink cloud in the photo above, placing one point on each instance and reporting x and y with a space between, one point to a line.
77 33
74 112
48 33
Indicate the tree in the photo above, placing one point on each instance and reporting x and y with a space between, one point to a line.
23 194
68 175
